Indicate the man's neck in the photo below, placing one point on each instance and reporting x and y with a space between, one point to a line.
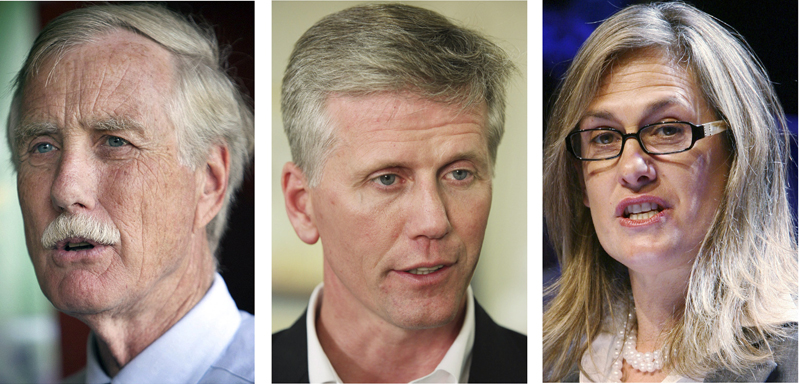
122 336
366 348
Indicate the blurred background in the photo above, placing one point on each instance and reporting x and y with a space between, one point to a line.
500 279
37 344
769 27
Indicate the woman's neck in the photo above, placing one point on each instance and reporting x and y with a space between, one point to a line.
659 300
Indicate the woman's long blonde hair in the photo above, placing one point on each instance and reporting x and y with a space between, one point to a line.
747 266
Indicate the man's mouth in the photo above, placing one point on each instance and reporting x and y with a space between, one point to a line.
425 270
78 246
642 211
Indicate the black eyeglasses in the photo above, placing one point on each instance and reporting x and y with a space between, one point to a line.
662 138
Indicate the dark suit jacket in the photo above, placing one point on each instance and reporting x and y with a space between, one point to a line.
782 368
499 355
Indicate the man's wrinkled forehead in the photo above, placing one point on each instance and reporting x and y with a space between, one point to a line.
119 74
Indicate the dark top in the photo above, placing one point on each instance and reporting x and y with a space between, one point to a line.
499 355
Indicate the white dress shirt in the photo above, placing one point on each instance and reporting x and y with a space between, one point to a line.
213 343
454 367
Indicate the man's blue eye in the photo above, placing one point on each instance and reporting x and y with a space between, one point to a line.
114 141
387 179
460 174
43 147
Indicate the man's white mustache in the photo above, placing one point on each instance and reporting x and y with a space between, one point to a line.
67 226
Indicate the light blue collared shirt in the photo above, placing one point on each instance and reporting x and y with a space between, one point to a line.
213 343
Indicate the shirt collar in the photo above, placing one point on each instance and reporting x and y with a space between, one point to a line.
454 367
184 353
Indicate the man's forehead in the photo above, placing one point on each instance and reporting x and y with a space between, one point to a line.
118 55
391 130
400 110
121 74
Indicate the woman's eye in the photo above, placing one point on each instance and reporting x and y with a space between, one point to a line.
669 130
387 179
43 147
460 174
114 141
604 138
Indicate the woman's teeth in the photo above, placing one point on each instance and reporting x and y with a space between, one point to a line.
643 216
642 211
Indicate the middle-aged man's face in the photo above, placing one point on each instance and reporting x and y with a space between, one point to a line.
402 206
682 191
84 162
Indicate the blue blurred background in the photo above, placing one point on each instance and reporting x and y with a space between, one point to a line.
769 27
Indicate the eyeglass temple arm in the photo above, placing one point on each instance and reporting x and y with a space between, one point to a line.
714 127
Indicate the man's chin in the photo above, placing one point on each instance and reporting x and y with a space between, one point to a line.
429 316
77 294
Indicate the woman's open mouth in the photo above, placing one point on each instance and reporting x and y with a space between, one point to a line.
644 211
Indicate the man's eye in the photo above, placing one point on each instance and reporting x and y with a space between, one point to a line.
114 141
43 148
460 174
387 179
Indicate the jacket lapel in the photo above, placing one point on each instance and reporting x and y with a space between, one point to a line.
499 355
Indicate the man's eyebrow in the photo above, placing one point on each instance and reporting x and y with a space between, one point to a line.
29 130
26 131
118 124
475 156
363 170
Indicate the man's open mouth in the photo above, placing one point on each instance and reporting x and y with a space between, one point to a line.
642 211
424 270
78 246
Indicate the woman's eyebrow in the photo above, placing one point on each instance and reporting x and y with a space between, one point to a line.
652 108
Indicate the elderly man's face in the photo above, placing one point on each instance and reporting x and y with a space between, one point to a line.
102 147
402 206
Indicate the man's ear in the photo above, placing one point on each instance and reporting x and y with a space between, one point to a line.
298 203
214 183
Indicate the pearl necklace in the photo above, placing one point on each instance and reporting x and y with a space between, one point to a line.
643 362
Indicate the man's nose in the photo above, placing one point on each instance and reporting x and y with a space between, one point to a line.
635 168
75 182
427 212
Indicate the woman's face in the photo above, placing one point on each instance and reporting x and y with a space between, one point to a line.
682 190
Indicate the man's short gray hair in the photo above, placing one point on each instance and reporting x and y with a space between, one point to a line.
207 107
376 48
